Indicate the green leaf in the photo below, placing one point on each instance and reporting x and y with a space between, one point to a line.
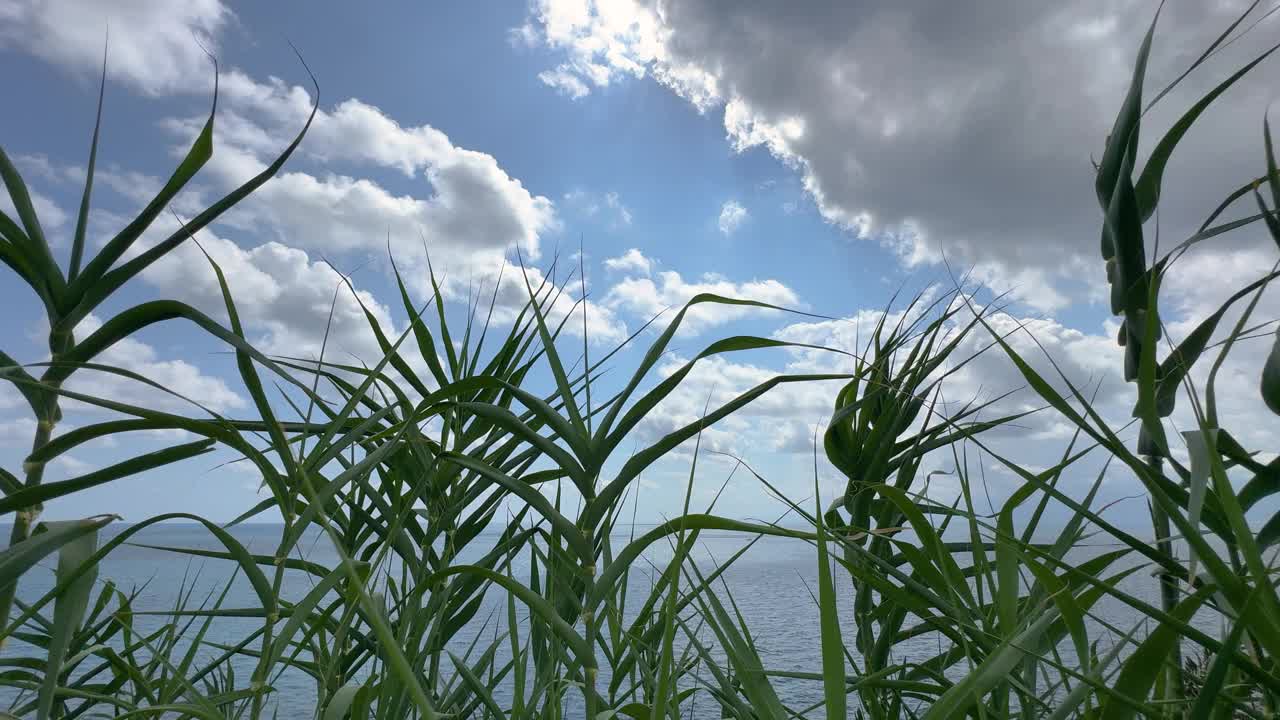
557 368
342 699
9 483
36 247
1125 130
1198 444
1273 175
31 496
1072 613
199 153
19 558
82 218
99 280
833 670
481 691
960 698
659 347
641 460
1007 578
535 602
1175 367
300 613
1269 385
69 608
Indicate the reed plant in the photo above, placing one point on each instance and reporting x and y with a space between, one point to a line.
474 484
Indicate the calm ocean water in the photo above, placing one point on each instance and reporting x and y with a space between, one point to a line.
771 585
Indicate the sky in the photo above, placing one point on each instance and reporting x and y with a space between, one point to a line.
813 155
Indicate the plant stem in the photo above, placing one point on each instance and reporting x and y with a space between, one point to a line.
589 626
47 418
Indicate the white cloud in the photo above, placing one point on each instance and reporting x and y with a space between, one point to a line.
608 41
565 82
471 213
281 293
646 297
470 210
631 261
930 130
154 44
732 215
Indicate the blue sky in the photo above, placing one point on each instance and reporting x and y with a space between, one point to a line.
810 155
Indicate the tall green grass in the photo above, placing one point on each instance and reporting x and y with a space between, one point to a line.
404 466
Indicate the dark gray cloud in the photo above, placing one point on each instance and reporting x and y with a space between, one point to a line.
942 126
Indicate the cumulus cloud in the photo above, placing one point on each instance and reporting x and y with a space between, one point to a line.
608 41
732 215
470 211
646 297
929 129
282 294
462 207
154 44
291 300
631 262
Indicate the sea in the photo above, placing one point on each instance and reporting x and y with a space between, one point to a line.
773 585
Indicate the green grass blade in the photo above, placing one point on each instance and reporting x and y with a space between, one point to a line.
31 496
